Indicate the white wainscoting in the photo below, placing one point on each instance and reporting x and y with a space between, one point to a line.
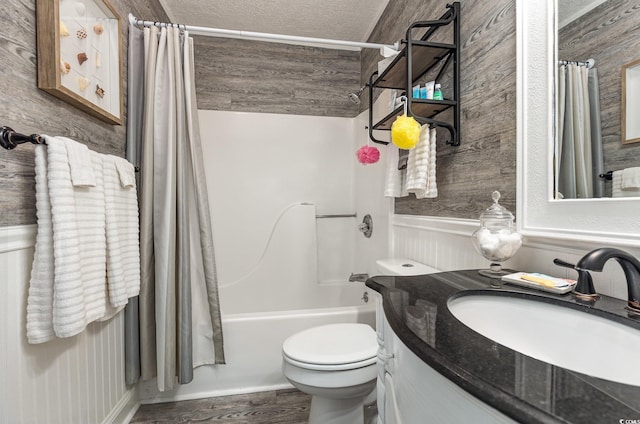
75 380
445 243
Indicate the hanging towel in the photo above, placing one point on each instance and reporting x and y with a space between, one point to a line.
421 168
630 178
121 212
126 172
394 178
80 163
418 164
432 188
616 187
40 297
65 297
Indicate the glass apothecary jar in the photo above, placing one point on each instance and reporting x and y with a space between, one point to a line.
496 239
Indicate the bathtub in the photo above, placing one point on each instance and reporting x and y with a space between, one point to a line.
253 343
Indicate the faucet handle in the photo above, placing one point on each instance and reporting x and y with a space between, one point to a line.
560 262
584 289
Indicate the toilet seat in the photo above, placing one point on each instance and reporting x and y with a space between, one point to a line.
333 347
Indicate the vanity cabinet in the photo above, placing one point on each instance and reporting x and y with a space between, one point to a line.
416 59
410 391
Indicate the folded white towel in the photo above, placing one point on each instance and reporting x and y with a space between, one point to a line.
123 253
79 163
70 294
616 187
630 178
126 172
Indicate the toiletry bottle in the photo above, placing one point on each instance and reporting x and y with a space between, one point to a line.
437 93
416 92
423 92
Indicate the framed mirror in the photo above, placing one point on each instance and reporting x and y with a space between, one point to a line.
630 106
612 221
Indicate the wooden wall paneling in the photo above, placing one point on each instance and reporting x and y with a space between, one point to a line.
28 109
485 160
258 76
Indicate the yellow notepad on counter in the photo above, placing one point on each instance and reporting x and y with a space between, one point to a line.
541 282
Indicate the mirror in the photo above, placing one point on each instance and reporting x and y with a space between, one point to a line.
575 222
593 151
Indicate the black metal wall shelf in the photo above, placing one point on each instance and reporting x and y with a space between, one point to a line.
418 57
421 107
425 56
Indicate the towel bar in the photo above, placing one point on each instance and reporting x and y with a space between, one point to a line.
9 139
344 215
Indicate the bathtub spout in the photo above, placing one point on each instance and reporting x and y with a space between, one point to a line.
358 277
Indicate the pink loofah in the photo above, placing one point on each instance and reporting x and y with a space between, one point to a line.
368 154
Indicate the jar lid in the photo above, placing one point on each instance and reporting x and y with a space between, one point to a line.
496 211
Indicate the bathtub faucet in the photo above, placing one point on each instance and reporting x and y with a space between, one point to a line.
358 277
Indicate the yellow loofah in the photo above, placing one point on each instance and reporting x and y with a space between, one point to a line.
405 132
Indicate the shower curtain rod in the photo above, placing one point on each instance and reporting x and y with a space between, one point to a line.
590 63
229 33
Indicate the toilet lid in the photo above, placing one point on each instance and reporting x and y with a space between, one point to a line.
332 344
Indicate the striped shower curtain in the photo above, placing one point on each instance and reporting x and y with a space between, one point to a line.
175 324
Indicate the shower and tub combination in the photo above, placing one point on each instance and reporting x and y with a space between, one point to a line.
286 222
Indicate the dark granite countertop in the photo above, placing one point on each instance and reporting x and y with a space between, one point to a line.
521 387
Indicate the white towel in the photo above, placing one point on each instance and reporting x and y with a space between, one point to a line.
395 178
70 294
126 172
421 169
418 164
616 187
630 178
432 188
79 163
123 253
40 298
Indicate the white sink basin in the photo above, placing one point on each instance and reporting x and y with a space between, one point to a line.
559 335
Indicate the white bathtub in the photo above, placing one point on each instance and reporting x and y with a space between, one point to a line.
253 345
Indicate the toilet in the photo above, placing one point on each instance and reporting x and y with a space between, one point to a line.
403 267
336 365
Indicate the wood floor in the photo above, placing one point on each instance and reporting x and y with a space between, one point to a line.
288 406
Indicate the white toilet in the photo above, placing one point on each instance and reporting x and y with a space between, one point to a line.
401 266
336 365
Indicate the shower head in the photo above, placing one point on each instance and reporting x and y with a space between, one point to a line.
355 97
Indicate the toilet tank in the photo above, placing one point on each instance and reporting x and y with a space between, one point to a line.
401 266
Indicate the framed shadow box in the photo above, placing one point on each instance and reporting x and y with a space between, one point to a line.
80 55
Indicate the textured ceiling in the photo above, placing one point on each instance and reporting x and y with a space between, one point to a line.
570 10
350 20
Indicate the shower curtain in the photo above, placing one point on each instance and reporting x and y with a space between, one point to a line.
579 151
175 323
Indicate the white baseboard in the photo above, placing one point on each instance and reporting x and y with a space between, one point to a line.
175 397
125 409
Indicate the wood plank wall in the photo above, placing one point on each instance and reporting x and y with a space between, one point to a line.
28 110
609 35
258 76
486 158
